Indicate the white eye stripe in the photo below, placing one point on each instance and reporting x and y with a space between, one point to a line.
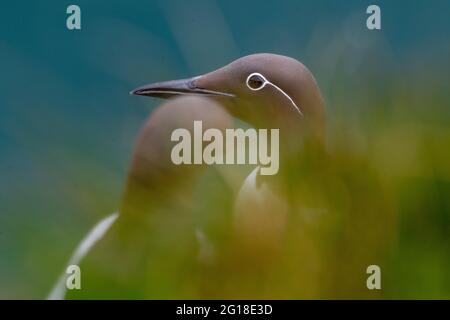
287 96
265 82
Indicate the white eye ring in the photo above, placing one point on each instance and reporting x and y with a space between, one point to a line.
264 83
259 75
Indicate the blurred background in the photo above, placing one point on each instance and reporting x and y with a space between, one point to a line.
68 124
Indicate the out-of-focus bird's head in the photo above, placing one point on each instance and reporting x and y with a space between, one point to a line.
265 90
152 176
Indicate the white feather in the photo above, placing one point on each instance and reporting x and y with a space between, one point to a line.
97 232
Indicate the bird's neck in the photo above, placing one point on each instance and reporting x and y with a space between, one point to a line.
301 149
148 191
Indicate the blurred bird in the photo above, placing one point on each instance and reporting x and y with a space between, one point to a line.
155 220
282 230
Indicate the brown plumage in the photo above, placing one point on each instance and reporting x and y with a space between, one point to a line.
287 232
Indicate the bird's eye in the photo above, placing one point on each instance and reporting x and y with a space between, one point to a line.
256 81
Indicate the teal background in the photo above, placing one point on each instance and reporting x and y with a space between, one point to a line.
68 123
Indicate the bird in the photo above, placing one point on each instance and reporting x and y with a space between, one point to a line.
283 229
312 229
266 91
156 207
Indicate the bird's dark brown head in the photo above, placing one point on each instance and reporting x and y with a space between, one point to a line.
153 177
265 90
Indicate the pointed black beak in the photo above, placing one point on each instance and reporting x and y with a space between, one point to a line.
173 88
